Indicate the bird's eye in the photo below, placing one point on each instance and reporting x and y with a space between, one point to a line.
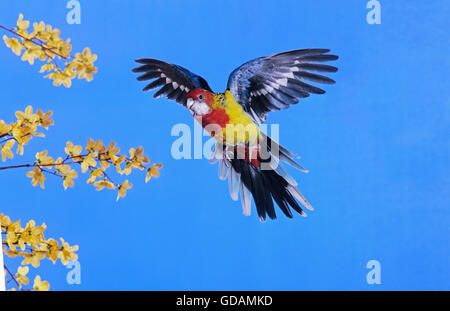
200 97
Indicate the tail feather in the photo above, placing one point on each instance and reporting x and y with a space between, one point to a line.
275 164
253 180
234 182
246 200
284 154
265 186
280 182
273 183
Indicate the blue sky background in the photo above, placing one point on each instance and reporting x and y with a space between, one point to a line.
376 145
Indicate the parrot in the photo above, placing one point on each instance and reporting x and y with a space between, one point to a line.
250 159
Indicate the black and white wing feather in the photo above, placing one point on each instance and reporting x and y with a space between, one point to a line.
174 81
275 82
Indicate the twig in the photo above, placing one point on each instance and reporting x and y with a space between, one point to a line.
42 45
12 276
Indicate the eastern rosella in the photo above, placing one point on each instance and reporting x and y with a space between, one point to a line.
261 85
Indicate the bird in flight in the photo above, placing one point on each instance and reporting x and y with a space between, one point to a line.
248 157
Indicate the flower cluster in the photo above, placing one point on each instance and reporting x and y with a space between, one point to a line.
95 159
45 44
30 244
22 130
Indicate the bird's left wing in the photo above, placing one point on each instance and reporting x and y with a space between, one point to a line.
174 81
275 82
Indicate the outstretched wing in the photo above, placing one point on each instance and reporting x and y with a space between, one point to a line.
174 81
275 82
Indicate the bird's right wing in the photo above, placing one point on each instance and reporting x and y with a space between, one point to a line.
175 81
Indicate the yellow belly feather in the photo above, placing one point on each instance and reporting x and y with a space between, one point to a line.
241 126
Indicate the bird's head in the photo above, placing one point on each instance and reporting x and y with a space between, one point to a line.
199 101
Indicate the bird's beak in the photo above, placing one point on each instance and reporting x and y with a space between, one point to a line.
189 103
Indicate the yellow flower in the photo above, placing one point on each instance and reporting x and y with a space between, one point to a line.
117 163
31 53
96 173
64 48
126 170
4 128
88 161
104 160
33 258
21 277
6 150
69 72
27 116
33 234
102 184
137 159
51 249
87 72
61 168
31 129
13 234
37 177
13 254
43 159
112 151
83 63
4 220
45 43
8 225
53 36
86 57
40 286
109 154
60 78
21 24
22 135
68 179
43 119
138 155
21 242
123 189
95 146
72 150
14 45
152 171
67 252
39 31
47 67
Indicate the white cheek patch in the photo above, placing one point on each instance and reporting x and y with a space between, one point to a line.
200 108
